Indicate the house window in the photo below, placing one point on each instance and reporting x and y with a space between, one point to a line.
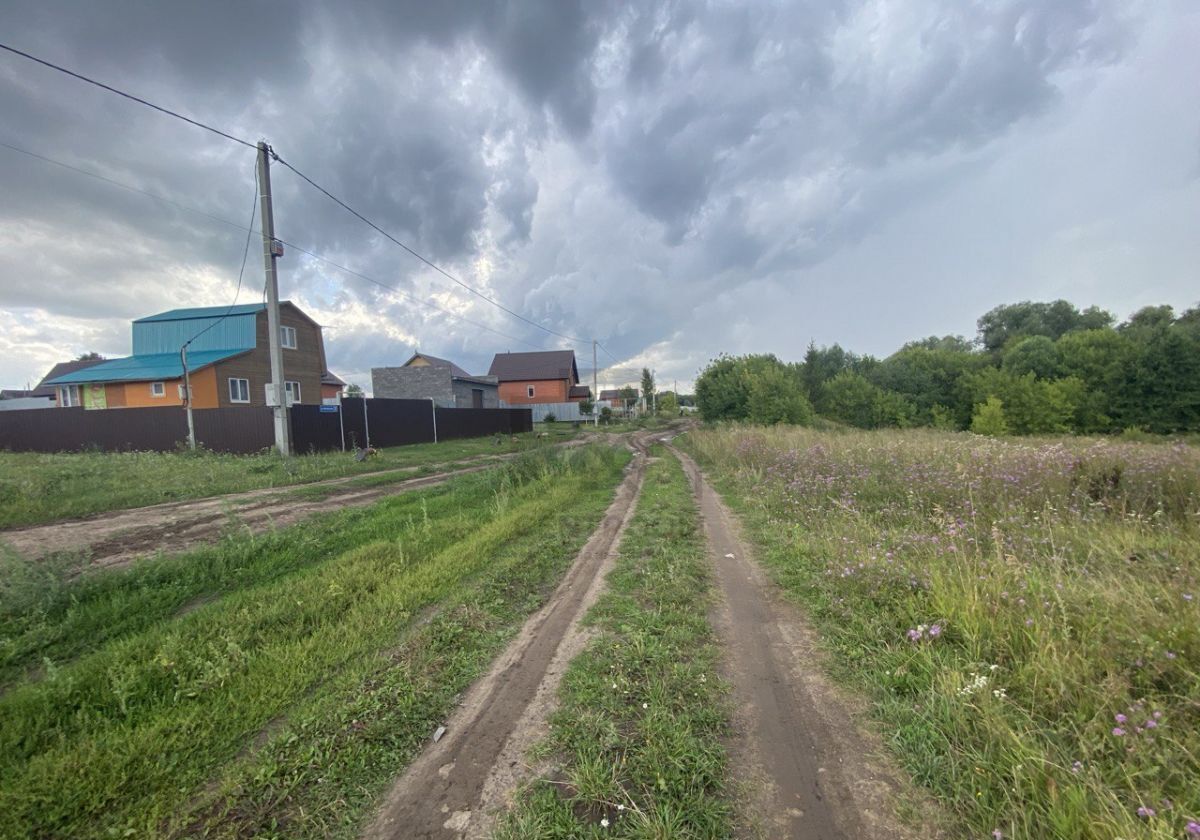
291 390
529 391
239 390
158 389
287 337
68 396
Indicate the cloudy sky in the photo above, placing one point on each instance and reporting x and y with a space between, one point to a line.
676 179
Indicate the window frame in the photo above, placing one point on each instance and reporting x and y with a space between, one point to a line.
284 332
291 386
158 390
529 392
233 399
69 396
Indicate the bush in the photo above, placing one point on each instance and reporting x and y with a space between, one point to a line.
989 418
549 418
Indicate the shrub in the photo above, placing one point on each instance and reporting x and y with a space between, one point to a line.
989 418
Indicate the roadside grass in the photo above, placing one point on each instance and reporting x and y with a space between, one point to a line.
635 748
37 487
1025 615
285 704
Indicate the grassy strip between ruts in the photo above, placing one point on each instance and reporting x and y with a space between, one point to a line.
635 749
284 707
1022 613
38 487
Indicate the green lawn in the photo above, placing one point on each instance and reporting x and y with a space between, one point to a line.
1024 614
637 741
274 686
36 488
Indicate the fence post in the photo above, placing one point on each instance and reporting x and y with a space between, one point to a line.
433 409
341 421
366 423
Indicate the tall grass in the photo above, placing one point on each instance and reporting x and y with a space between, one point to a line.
125 738
1025 614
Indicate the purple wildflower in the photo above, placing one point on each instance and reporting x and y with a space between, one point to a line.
1193 828
1077 766
1118 731
914 635
1120 718
1151 724
935 631
1145 812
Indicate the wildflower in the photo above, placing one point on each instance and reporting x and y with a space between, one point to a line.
1120 718
998 834
914 635
1118 731
935 631
645 705
1145 812
1077 766
604 822
1151 724
1193 828
620 807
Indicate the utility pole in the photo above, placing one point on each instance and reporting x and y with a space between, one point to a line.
187 397
595 388
282 437
653 395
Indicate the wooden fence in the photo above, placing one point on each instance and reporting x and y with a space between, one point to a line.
245 429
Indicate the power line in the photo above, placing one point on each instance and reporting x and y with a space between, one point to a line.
251 230
241 271
309 180
129 96
419 256
610 355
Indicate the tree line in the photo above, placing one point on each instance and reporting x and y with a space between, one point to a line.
1033 368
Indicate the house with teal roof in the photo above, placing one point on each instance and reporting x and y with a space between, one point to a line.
228 363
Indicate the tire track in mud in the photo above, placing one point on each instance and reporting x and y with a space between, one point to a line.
454 788
115 539
806 769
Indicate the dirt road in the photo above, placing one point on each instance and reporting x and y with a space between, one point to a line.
117 538
456 784
808 770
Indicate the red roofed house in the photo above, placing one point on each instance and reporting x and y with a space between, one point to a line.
544 376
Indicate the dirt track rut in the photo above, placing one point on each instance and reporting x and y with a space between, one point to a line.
807 771
117 538
454 787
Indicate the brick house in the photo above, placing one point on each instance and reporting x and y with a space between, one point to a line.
228 361
425 377
544 376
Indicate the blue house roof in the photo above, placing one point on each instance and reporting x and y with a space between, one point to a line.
145 367
203 312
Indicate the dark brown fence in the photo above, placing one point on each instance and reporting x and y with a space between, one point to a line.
245 429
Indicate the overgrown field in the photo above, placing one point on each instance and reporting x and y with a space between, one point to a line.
274 686
38 487
1025 614
636 743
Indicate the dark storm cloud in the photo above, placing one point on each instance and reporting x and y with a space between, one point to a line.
619 170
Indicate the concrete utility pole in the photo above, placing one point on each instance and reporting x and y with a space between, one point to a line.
187 397
282 433
595 387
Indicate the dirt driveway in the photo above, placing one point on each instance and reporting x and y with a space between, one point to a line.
115 539
807 768
455 787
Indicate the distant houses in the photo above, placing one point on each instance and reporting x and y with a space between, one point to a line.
425 377
546 376
228 362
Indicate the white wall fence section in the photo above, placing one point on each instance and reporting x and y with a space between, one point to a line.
561 411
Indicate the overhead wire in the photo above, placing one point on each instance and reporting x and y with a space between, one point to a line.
422 258
241 271
129 96
304 177
252 230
